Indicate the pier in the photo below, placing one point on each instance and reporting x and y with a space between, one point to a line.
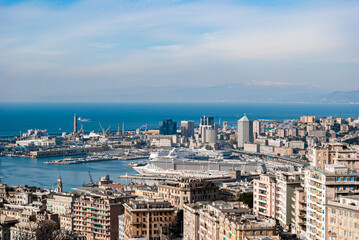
79 160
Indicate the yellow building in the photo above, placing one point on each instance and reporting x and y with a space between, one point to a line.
96 217
146 218
188 190
246 227
343 218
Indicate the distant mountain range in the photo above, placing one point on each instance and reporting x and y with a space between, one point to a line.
218 93
341 97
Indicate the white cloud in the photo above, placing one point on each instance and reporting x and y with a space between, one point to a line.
93 43
269 83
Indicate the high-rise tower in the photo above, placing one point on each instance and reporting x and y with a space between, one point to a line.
75 123
245 131
187 128
168 127
206 123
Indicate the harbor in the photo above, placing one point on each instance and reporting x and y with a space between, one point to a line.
79 160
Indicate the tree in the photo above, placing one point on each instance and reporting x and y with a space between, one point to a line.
63 234
247 198
45 230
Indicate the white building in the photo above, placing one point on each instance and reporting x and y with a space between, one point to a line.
245 131
322 186
286 184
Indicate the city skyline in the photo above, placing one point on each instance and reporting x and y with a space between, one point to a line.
92 51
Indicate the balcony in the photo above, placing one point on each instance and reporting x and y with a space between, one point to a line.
136 223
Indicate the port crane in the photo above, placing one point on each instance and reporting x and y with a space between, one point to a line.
143 126
82 129
91 181
104 132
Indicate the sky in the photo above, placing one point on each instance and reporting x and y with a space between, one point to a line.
89 48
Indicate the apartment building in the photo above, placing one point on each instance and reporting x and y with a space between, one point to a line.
188 190
286 182
3 191
191 220
247 227
6 223
264 195
322 186
307 119
299 206
337 153
224 220
343 218
62 204
213 215
96 217
146 218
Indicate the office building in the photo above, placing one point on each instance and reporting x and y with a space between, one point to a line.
147 218
187 129
207 123
210 136
245 131
256 129
168 127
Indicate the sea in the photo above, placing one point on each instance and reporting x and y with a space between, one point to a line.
59 117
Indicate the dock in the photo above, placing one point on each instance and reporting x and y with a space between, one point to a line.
79 160
167 177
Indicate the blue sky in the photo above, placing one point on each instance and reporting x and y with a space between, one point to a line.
69 47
